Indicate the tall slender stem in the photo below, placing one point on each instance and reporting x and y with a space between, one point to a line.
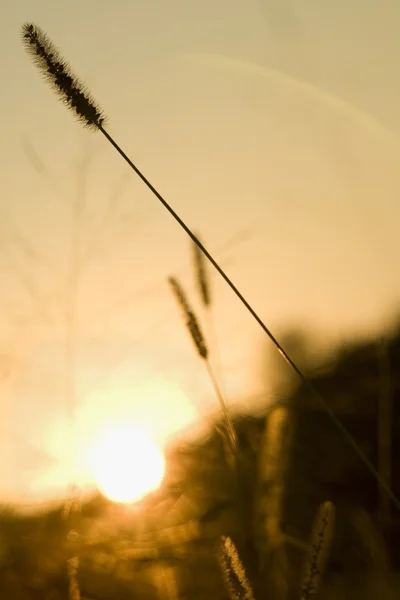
212 330
307 384
228 421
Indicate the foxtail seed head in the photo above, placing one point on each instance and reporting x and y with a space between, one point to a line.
201 275
321 539
61 77
191 320
233 572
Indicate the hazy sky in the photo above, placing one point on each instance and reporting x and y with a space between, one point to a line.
272 127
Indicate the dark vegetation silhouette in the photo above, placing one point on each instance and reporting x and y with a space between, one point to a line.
291 461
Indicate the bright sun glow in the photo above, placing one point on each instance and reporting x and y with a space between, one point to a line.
127 464
117 441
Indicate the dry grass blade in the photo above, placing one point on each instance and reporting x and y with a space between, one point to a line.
321 539
234 574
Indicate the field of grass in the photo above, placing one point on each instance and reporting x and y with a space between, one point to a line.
297 503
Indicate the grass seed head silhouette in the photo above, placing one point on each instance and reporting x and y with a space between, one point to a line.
61 77
321 540
201 275
191 320
199 341
233 572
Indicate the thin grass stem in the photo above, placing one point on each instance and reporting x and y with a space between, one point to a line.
79 100
233 443
307 384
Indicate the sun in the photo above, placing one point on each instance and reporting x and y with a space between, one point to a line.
127 464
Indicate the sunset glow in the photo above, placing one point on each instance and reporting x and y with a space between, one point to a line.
127 464
117 441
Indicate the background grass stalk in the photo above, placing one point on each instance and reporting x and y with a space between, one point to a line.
200 344
321 540
233 572
204 290
228 421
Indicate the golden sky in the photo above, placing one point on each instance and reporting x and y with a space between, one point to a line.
274 119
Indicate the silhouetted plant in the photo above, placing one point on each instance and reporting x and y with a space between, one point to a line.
198 338
65 83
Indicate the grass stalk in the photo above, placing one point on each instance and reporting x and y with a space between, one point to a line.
204 290
200 344
78 99
321 539
233 571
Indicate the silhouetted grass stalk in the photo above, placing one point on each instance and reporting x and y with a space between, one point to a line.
204 290
321 539
73 93
197 336
274 459
228 421
233 571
